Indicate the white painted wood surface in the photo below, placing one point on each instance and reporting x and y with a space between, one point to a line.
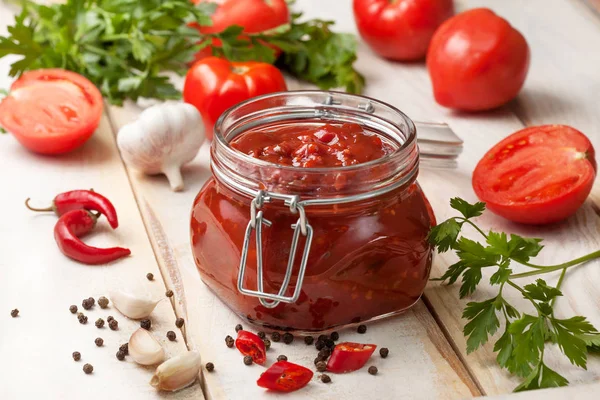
563 87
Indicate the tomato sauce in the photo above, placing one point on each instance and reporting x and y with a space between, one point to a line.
368 259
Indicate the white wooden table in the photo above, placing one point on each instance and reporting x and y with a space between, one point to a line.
427 348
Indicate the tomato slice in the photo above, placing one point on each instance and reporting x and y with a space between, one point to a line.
284 376
251 345
51 111
349 356
537 175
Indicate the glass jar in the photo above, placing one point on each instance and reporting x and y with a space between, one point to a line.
311 249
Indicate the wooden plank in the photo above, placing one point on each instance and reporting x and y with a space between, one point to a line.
37 279
580 392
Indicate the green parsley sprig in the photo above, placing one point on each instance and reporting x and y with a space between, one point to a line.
522 345
126 46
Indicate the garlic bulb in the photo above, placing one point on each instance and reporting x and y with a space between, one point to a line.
132 306
162 139
177 373
145 349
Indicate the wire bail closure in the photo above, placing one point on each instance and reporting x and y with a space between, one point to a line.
301 227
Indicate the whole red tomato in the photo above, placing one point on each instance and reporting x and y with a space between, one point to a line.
477 61
213 85
401 29
253 15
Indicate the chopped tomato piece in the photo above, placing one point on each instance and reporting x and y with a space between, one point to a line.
349 356
284 376
251 345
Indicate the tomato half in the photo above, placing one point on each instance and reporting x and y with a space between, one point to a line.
284 376
251 345
477 61
213 85
401 29
51 111
349 356
537 175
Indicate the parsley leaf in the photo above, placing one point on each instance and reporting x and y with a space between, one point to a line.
466 209
542 377
568 338
483 322
444 235
541 291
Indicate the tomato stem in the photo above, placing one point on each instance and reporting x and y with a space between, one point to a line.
551 268
51 208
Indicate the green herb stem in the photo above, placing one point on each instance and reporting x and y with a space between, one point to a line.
552 268
524 293
475 226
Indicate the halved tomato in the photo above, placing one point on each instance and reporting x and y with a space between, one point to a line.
51 111
537 175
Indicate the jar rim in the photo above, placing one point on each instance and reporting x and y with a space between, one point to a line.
403 149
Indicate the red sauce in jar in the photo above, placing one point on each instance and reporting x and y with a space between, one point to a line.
367 259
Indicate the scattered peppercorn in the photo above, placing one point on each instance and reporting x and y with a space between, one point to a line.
14 313
76 356
361 329
383 352
248 360
321 366
329 343
73 309
171 336
210 367
238 327
373 370
325 353
91 300
325 378
179 322
267 343
86 304
288 338
88 368
99 323
282 358
124 348
309 340
99 342
320 344
82 319
110 318
318 360
334 336
103 302
322 338
113 325
229 341
150 276
261 335
169 293
120 355
276 337
146 324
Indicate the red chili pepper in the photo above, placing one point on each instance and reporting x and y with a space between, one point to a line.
77 223
284 376
348 356
78 199
251 345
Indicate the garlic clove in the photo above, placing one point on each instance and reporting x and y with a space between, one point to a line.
144 348
173 174
131 306
177 373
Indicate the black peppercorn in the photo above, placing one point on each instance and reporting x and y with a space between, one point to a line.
113 325
146 324
309 340
373 370
324 353
383 352
88 368
318 360
288 338
124 348
329 343
261 335
229 341
276 336
82 319
103 302
282 358
150 276
120 355
179 322
76 356
325 378
320 344
169 293
321 366
110 318
248 360
210 367
73 309
238 327
14 313
99 323
334 336
99 342
91 300
322 337
86 304
361 329
267 343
